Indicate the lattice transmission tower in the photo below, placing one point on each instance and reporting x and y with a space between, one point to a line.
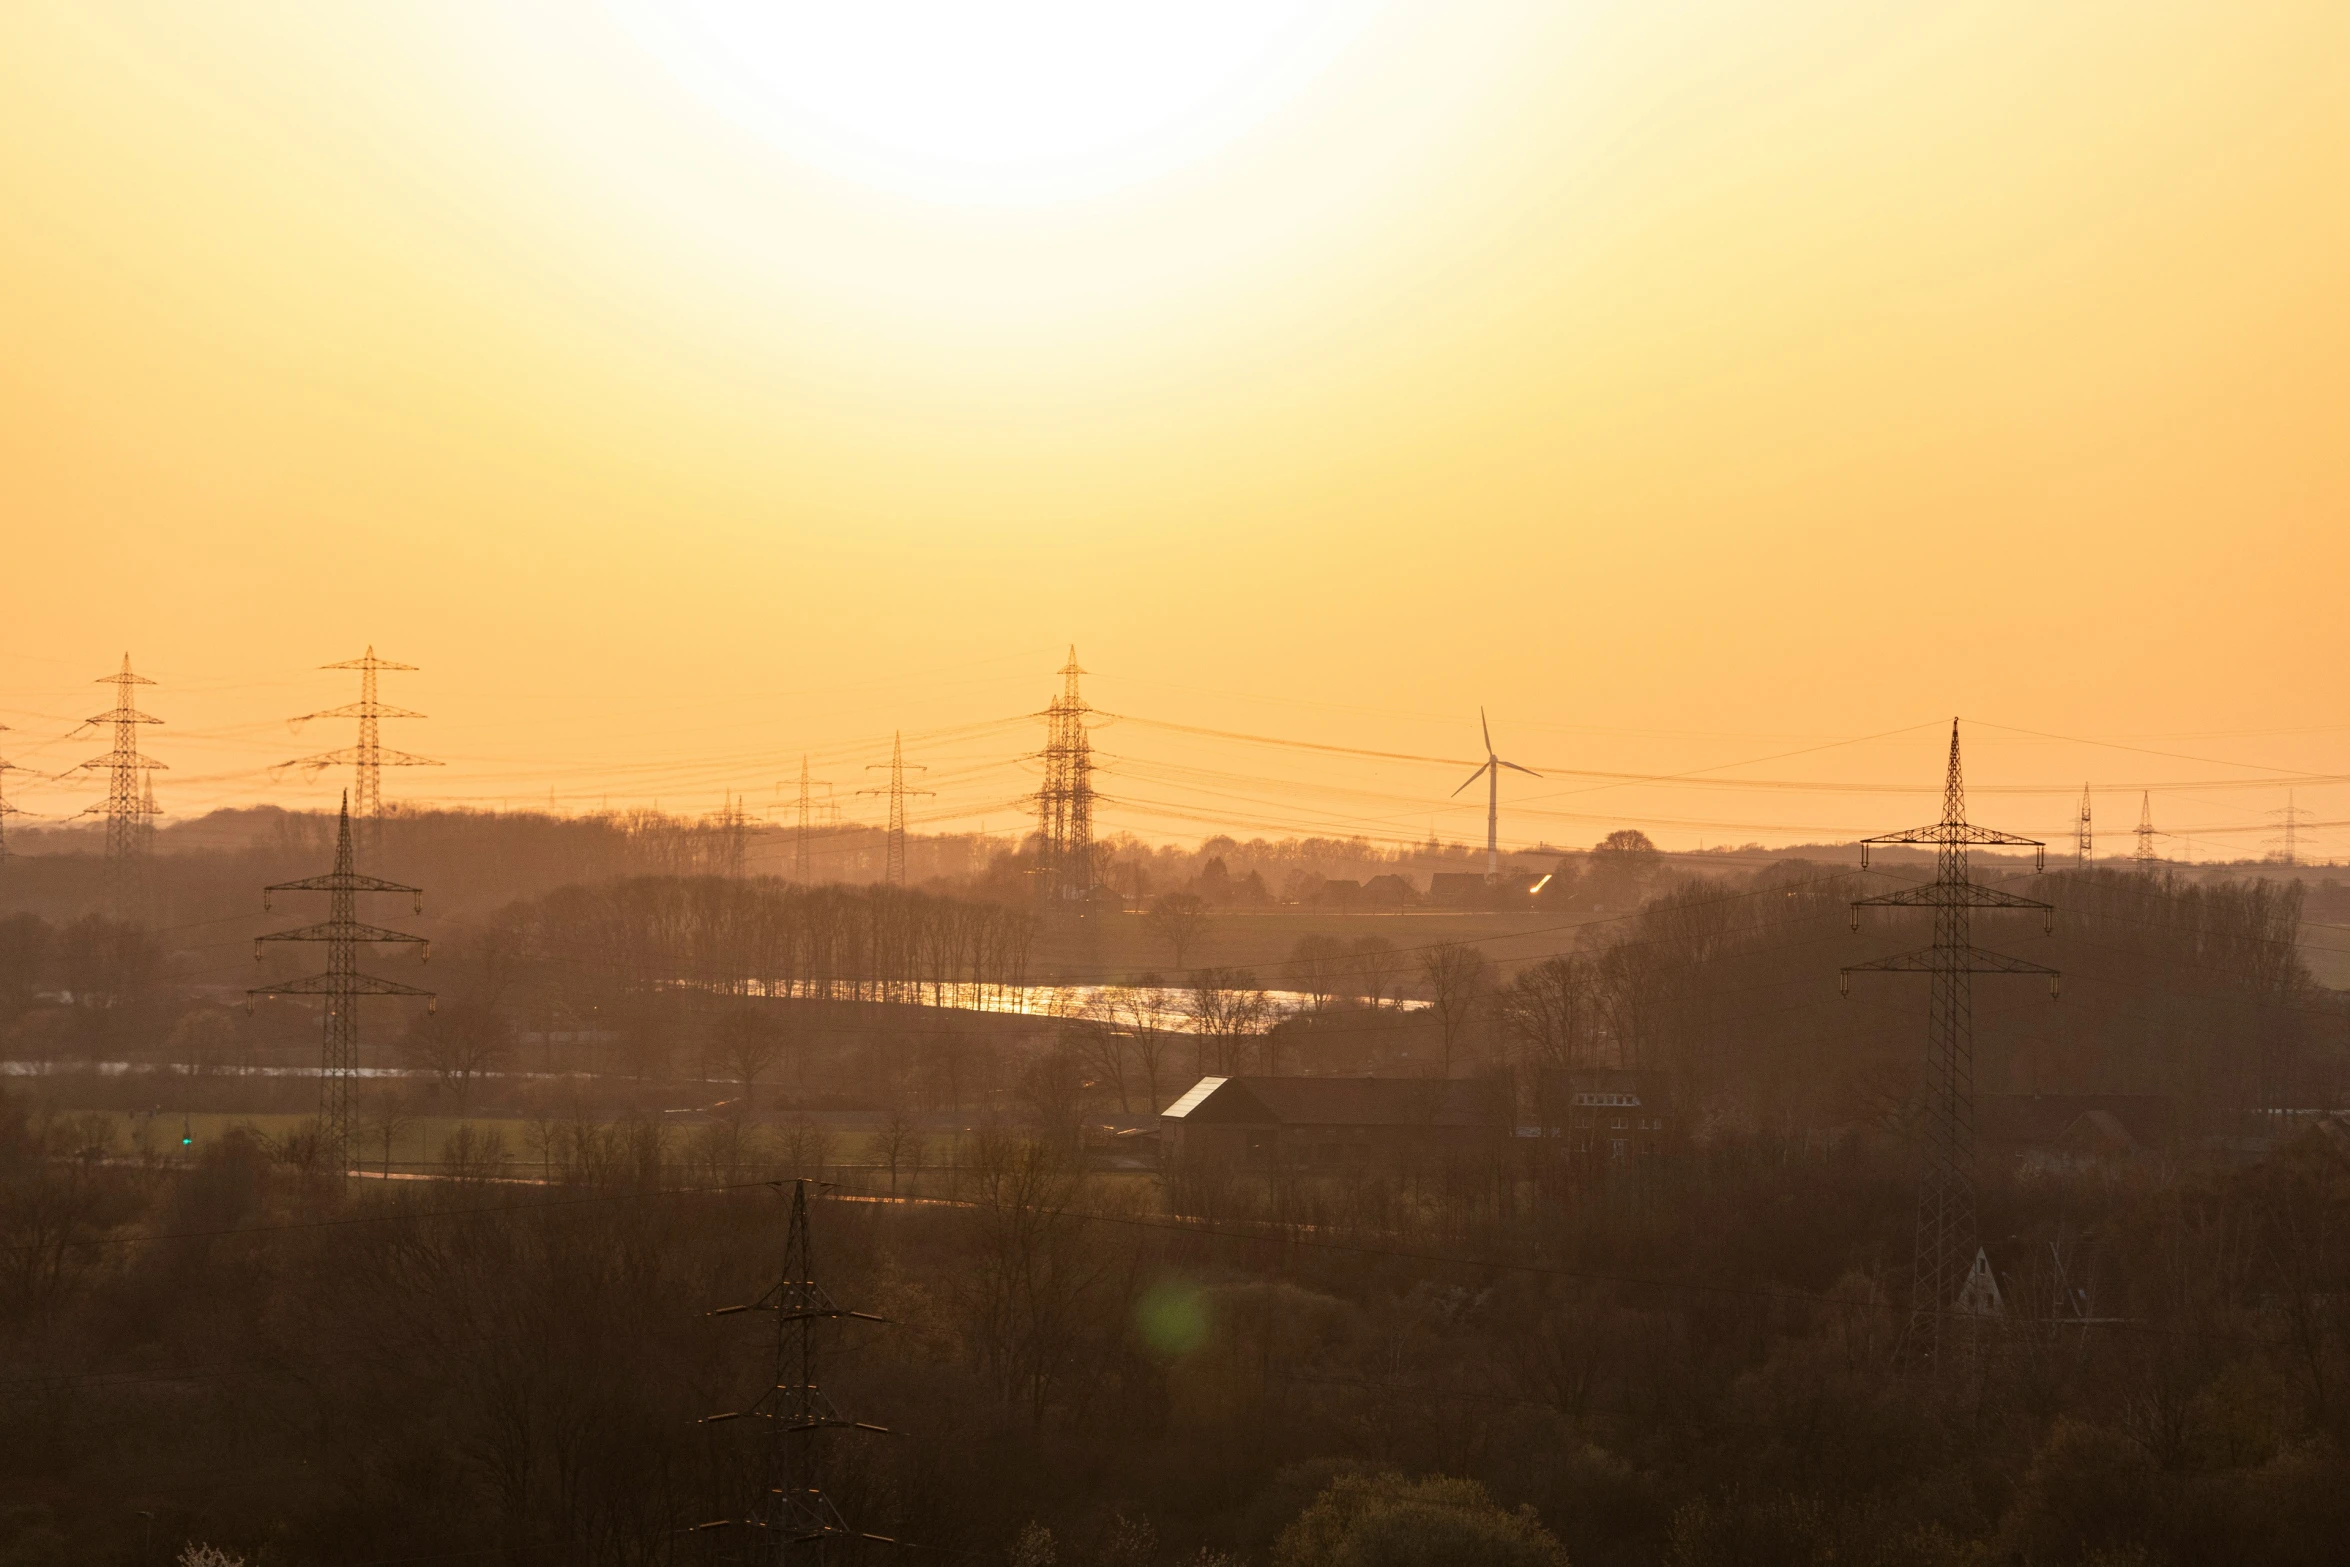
802 859
2288 840
1946 1274
1064 805
341 985
369 757
794 1521
2145 855
893 857
2082 843
129 799
6 810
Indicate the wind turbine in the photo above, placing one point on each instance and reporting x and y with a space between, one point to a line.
1491 773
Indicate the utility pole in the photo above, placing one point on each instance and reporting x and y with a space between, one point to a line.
1947 1271
2145 854
795 1522
893 863
368 758
1064 805
801 861
127 802
342 984
2081 834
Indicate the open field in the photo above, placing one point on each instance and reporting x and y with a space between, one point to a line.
1125 946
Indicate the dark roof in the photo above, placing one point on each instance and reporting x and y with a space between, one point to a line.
1341 1101
2054 1120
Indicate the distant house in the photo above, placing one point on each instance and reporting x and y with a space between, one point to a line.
1471 890
1608 1113
1337 893
2071 1130
1389 891
1333 1123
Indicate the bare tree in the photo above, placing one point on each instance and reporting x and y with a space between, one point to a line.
747 1044
1372 969
1228 1010
385 1118
1318 969
1140 1018
1179 919
897 1141
1457 976
1101 1049
1052 1088
1551 1009
459 1044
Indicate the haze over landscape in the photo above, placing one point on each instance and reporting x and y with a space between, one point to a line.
1226 704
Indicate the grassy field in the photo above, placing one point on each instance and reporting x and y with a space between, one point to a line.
417 1145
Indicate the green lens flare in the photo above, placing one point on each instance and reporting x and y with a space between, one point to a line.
1173 1318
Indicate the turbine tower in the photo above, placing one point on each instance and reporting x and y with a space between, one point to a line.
368 758
1490 771
127 799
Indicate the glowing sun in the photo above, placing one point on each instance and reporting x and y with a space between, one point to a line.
995 100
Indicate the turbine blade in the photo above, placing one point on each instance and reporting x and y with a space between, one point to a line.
1472 778
1487 729
1514 767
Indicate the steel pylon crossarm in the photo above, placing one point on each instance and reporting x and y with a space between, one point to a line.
1962 960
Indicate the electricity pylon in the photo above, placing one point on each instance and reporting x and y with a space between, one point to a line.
368 758
794 1521
127 798
1064 805
801 860
6 810
2081 839
2290 839
342 984
1945 1258
734 836
893 860
2145 855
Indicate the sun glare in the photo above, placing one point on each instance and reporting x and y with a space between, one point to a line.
1016 101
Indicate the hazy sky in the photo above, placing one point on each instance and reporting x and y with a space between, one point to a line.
1688 384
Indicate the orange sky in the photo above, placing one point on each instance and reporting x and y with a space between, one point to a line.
1687 384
